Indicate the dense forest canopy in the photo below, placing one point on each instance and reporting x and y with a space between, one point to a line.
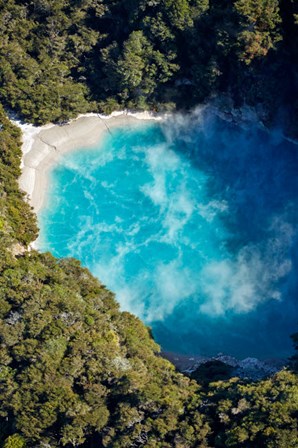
58 58
74 370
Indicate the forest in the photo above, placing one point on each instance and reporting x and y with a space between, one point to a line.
60 58
74 370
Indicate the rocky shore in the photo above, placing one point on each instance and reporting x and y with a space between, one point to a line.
250 368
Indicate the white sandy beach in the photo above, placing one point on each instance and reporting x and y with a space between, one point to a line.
43 146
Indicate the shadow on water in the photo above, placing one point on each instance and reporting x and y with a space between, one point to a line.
256 173
253 170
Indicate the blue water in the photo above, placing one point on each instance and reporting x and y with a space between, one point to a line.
193 224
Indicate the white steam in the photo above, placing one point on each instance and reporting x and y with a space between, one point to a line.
242 284
175 251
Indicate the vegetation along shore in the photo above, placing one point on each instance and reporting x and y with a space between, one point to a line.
75 371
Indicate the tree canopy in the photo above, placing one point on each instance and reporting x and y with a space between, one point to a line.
58 59
74 370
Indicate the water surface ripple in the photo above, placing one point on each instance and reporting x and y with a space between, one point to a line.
193 224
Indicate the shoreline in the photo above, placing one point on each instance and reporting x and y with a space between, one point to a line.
247 368
43 146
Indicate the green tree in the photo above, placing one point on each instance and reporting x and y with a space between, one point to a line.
14 441
179 13
262 414
140 69
259 21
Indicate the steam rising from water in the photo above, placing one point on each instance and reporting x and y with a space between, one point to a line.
193 224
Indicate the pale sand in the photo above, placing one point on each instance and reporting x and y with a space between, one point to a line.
43 146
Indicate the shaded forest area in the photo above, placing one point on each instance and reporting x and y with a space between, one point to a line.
60 58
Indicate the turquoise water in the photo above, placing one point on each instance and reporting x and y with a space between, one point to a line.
193 224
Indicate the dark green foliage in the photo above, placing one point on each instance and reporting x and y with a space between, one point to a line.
212 371
73 366
262 414
42 45
259 22
58 59
74 370
17 223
